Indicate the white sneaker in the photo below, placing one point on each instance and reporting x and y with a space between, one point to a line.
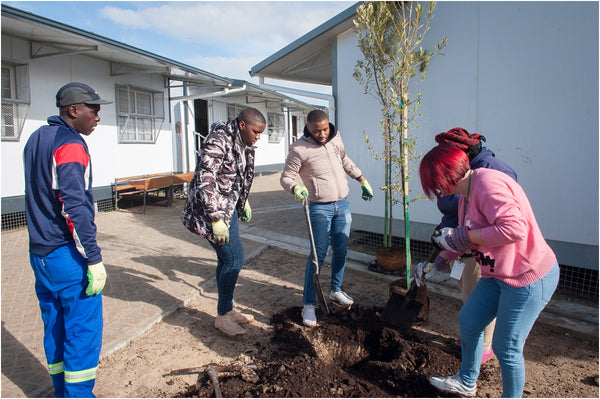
309 318
342 298
453 384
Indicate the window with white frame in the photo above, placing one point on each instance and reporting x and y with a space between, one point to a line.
233 110
15 99
276 127
140 114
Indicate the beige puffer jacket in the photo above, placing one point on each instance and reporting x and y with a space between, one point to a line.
322 168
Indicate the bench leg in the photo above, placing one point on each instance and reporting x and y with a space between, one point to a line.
127 210
170 196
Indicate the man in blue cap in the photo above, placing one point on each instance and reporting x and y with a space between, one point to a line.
64 255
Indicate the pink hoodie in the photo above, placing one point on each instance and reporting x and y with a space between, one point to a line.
515 251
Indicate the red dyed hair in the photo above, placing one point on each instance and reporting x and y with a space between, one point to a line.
442 168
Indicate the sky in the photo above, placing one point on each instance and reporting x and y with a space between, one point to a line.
226 38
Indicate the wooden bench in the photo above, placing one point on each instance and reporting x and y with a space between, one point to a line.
144 184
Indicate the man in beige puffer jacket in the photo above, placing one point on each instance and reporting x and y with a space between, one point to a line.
321 161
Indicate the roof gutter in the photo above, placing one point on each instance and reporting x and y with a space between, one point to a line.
305 93
332 23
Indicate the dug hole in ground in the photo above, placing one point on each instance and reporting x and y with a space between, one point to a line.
351 353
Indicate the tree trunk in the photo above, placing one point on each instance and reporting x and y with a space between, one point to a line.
387 222
405 200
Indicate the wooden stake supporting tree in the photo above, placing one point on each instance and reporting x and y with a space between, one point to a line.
390 35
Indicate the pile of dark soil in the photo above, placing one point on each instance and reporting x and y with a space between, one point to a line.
352 353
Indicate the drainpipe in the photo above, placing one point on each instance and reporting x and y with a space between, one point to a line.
185 121
288 136
330 99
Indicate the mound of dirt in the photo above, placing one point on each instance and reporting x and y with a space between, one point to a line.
352 353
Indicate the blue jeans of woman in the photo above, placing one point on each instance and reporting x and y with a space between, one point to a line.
516 310
330 221
230 260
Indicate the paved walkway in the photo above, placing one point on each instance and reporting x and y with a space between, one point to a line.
155 266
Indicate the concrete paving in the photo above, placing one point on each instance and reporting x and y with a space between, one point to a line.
155 266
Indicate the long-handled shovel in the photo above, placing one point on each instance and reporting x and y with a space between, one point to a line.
402 309
315 259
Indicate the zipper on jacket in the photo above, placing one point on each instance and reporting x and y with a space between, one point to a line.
337 183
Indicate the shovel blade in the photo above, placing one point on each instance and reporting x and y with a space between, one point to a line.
320 296
401 310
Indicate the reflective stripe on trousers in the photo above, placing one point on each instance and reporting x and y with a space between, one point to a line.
72 377
56 368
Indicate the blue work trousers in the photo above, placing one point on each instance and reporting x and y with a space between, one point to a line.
515 310
72 321
330 221
230 260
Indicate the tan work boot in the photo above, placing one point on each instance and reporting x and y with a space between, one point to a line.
241 318
228 326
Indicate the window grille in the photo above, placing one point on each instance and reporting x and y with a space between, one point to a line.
276 127
16 220
233 110
15 99
140 114
578 281
12 221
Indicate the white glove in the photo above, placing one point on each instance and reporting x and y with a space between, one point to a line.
418 274
96 279
425 270
455 240
220 232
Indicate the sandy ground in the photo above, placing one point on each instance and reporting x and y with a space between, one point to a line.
559 364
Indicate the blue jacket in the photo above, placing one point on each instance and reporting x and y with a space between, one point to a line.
58 191
448 204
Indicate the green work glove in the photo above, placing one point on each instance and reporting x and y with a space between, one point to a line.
220 232
367 191
96 275
247 213
300 192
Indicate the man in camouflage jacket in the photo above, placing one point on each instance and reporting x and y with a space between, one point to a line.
218 196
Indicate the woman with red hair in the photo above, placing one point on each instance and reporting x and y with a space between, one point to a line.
519 270
465 269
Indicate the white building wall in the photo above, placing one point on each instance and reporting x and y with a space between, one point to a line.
218 111
267 154
270 153
525 75
109 158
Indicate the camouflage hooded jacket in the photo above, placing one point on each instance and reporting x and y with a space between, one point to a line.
219 186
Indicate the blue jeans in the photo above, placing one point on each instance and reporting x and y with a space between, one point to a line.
516 310
329 220
230 260
72 321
